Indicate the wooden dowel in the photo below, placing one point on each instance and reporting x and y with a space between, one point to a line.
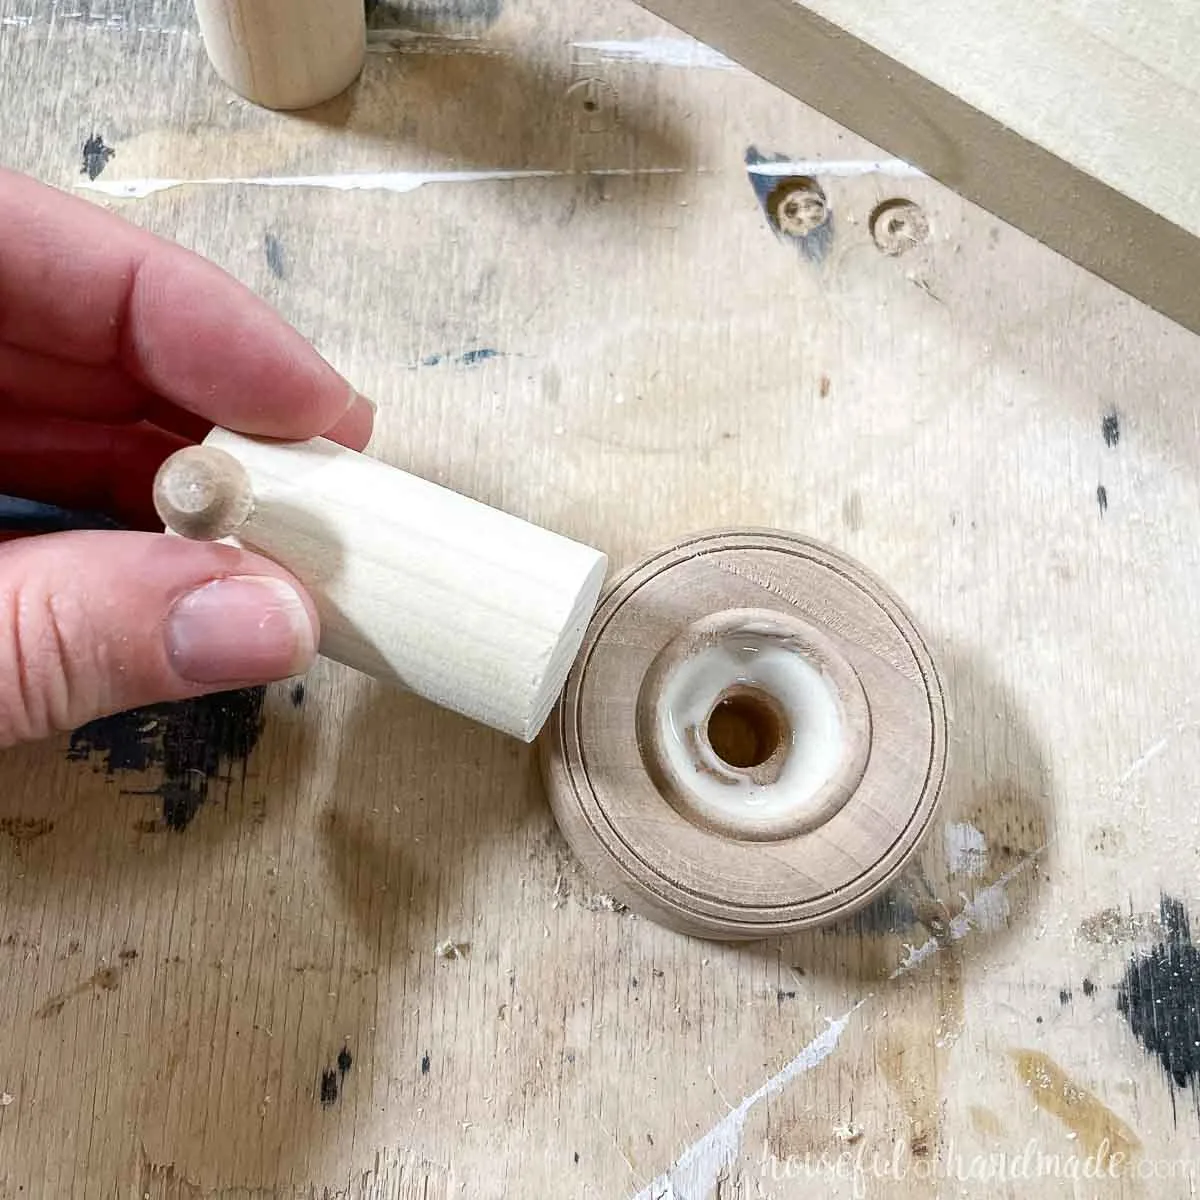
285 54
472 608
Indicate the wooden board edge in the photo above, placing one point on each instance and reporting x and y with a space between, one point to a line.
894 107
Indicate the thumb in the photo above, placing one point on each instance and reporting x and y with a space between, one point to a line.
94 623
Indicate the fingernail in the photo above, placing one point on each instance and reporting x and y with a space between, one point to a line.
355 428
244 629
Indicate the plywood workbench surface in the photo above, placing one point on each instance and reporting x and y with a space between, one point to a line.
326 941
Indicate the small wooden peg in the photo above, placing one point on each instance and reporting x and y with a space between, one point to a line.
203 493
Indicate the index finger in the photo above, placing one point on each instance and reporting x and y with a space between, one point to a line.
81 285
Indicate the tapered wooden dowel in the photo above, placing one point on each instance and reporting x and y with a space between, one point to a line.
472 608
285 54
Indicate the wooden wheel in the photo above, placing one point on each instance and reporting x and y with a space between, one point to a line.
752 739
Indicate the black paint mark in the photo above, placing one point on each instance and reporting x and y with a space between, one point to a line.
1064 996
344 1060
1159 996
1089 988
576 1156
1102 499
468 358
425 1063
438 16
796 207
95 156
1111 428
273 248
781 996
329 1087
18 515
297 695
471 357
193 743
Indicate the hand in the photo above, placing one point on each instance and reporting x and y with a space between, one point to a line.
117 348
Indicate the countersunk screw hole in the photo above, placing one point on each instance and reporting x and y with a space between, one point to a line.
797 205
897 226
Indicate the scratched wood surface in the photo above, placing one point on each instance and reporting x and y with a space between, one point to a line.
326 941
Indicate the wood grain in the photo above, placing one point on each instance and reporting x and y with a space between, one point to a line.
663 361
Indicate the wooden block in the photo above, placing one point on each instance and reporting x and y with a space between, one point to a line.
285 54
752 740
470 607
1076 122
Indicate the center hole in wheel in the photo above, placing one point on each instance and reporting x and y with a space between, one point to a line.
745 729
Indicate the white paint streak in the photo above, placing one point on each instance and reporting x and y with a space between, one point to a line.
111 21
696 1171
661 51
966 849
1140 763
1152 751
845 169
988 910
385 181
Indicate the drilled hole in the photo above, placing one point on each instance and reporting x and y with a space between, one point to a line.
797 206
745 729
897 226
